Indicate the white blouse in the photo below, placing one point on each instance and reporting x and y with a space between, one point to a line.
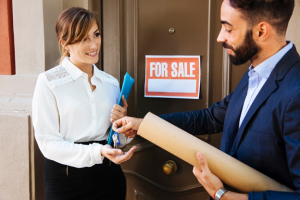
65 110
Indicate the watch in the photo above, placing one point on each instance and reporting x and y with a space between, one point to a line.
220 193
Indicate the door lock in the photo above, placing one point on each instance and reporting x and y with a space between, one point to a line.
171 30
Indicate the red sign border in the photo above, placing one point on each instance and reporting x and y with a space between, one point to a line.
167 94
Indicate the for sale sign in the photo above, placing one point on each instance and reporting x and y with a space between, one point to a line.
172 76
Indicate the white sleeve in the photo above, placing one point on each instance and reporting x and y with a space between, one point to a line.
45 119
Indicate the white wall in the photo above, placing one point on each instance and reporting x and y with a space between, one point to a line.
294 26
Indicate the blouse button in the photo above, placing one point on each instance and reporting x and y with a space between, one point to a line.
93 118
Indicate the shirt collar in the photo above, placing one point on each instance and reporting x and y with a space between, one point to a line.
265 68
74 71
97 72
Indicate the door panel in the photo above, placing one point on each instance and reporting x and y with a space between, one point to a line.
190 38
155 17
135 28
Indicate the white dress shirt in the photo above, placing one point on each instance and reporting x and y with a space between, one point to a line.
258 77
65 110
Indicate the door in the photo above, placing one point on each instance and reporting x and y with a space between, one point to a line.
133 29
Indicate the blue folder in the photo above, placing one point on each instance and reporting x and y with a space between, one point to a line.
126 87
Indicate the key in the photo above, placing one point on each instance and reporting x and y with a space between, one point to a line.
115 139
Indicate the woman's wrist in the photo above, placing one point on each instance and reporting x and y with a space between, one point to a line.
102 148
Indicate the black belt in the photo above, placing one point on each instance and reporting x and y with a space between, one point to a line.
73 171
103 142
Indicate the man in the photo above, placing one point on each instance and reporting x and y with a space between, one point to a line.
260 120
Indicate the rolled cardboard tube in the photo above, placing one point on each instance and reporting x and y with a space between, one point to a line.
185 146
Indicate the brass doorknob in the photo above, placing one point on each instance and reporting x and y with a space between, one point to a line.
169 167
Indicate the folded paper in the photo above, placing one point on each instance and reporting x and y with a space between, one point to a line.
185 146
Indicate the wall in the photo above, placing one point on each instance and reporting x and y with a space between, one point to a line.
51 10
7 55
294 26
14 167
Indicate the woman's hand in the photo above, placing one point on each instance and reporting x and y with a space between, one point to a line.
127 126
116 155
119 111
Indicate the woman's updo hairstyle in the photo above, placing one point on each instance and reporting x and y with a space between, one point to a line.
72 26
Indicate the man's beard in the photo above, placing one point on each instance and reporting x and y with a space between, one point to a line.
244 52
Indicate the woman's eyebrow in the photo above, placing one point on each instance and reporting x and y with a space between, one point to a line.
96 30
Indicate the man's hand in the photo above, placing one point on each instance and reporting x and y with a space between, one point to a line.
119 111
127 126
116 155
208 180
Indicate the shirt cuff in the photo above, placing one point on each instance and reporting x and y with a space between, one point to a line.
97 153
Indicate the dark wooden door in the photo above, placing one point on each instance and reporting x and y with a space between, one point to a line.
133 29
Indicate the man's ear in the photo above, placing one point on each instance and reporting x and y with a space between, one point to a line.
261 31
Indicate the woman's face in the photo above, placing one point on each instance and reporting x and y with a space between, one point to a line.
86 53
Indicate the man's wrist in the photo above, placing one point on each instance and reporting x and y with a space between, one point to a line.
234 196
219 193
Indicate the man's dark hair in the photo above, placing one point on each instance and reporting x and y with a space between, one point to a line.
275 12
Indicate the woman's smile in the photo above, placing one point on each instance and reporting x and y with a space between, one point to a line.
92 54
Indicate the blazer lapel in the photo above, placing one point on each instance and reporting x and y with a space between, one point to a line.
270 86
231 123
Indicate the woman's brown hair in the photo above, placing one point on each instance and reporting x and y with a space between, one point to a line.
72 26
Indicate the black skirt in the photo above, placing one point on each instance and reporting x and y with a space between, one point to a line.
101 181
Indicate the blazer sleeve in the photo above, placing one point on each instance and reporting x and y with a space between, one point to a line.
291 136
199 122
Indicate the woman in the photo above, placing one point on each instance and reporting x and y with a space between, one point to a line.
72 113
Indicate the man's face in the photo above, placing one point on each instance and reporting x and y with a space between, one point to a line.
244 52
236 36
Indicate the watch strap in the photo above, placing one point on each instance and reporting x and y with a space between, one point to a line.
220 193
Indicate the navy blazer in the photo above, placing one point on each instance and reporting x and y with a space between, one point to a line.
268 139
